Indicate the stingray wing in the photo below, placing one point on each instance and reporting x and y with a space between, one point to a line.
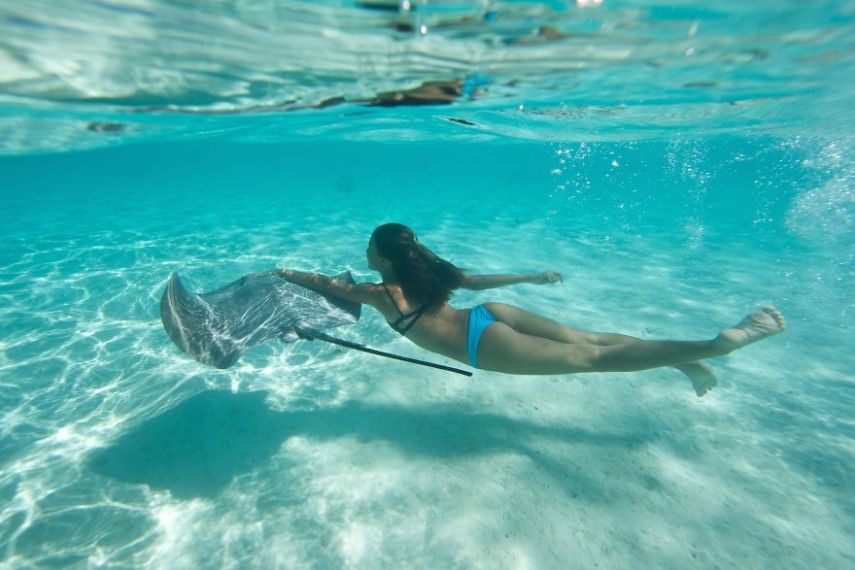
216 328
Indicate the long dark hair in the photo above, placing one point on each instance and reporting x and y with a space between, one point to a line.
423 275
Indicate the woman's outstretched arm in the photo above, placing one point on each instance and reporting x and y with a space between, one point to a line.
478 282
366 293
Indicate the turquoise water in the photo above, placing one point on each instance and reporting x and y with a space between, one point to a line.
674 194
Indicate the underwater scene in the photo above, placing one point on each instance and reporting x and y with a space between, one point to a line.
679 164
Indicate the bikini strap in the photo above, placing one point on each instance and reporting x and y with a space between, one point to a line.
416 315
392 298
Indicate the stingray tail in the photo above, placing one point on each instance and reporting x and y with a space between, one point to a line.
312 335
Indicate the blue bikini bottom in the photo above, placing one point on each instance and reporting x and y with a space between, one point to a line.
479 319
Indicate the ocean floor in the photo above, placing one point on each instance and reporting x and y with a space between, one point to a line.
118 450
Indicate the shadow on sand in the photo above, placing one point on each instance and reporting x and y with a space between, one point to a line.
198 447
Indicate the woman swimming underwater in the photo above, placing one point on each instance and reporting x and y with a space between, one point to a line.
414 294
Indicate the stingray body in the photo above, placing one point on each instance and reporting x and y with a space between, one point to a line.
216 328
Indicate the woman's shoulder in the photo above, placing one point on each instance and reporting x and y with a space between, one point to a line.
374 289
399 295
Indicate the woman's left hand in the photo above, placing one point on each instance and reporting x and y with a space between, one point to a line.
548 277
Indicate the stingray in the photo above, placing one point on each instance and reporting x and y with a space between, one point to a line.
217 328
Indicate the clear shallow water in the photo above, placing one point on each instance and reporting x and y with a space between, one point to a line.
117 450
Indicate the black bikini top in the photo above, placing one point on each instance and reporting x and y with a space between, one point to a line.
415 315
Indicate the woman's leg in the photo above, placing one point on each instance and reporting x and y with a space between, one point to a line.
536 325
532 324
700 374
504 349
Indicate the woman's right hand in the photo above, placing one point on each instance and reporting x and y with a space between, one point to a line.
547 277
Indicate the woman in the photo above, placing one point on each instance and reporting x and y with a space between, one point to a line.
414 293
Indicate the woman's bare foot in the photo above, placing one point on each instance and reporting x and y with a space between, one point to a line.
702 376
764 322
